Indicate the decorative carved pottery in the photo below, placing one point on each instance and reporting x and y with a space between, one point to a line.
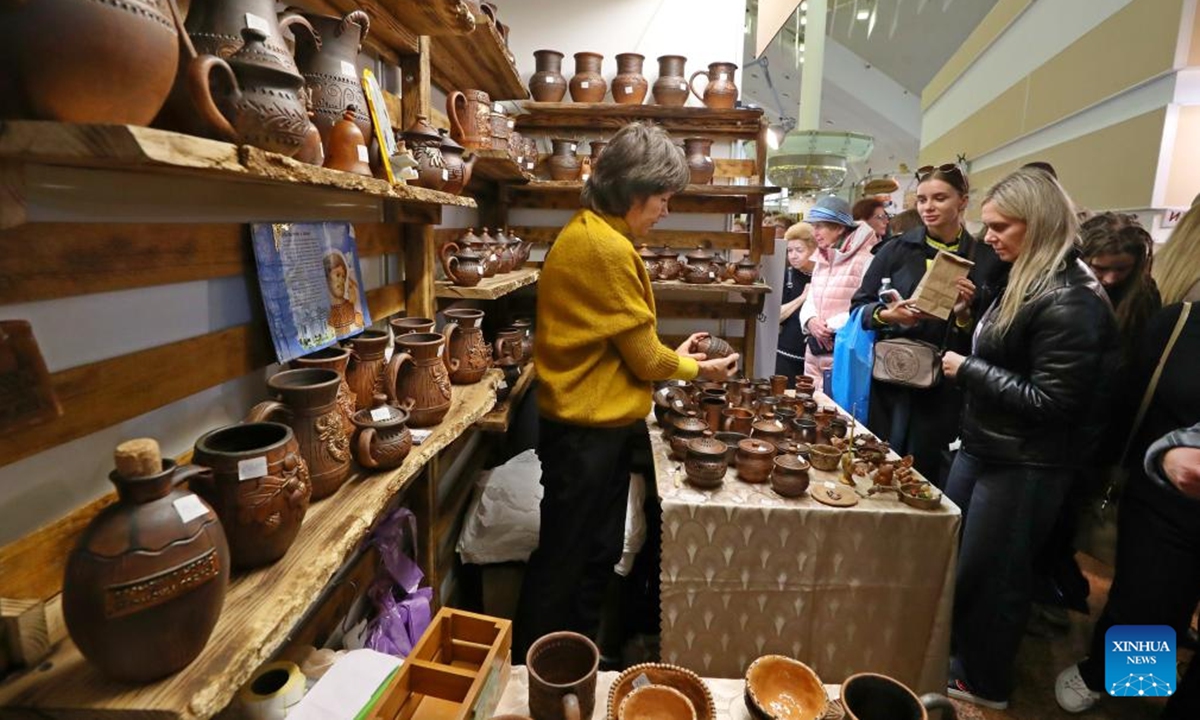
462 266
562 676
720 92
629 86
768 428
687 427
510 344
337 359
346 149
154 559
500 125
458 171
383 439
824 457
418 377
755 460
406 325
259 488
588 85
548 83
564 165
88 62
426 145
790 476
487 248
526 326
517 248
869 696
215 28
365 373
671 87
671 395
470 114
663 675
309 407
464 338
704 462
744 272
332 73
504 255
656 702
780 688
650 259
714 347
669 267
698 152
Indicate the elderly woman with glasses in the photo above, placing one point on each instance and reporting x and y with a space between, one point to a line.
597 352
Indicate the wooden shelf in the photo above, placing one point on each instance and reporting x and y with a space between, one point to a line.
489 288
497 166
434 17
161 154
723 287
261 607
722 199
476 61
498 420
571 117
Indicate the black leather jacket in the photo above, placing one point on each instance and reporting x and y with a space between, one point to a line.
1039 393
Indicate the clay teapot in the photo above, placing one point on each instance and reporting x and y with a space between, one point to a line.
517 248
769 429
466 345
487 249
458 171
701 267
669 267
650 259
588 85
426 145
720 92
470 118
671 87
743 272
383 439
698 151
504 253
462 266
346 147
418 377
332 73
215 28
629 86
564 165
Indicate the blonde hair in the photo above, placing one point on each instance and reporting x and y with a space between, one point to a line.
1036 198
803 232
1177 265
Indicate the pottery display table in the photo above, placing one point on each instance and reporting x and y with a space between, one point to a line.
746 572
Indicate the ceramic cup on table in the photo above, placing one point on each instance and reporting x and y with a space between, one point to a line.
869 696
562 676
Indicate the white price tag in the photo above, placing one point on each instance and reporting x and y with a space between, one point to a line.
445 174
252 468
257 23
711 275
420 435
722 76
348 69
551 79
380 414
628 89
584 84
497 107
190 507
362 153
441 348
683 86
830 486
512 124
503 385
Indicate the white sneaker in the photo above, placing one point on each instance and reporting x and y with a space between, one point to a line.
1072 694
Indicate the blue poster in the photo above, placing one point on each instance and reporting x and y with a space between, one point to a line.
311 285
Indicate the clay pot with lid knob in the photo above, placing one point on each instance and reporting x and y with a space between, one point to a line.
704 461
743 272
383 439
701 267
690 425
470 114
463 267
346 149
364 374
671 87
720 92
466 345
487 250
588 85
698 151
755 460
332 73
564 165
629 86
768 428
418 377
650 259
548 83
669 267
790 476
426 145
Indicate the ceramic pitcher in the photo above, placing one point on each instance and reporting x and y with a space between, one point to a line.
336 359
464 337
418 377
332 73
588 85
629 86
720 92
364 374
698 152
470 118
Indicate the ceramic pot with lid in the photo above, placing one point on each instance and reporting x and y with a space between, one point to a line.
458 170
704 461
629 86
548 83
687 427
702 267
383 440
790 476
588 85
426 145
755 460
769 429
650 259
743 272
671 87
669 267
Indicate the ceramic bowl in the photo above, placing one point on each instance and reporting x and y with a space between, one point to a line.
681 679
909 496
824 457
656 702
780 688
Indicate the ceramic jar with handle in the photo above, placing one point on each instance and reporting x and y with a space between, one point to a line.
332 73
721 92
701 267
548 83
426 145
364 374
629 86
462 266
510 344
698 152
671 87
337 359
258 485
588 85
418 378
466 345
406 325
564 165
669 267
470 114
383 440
650 260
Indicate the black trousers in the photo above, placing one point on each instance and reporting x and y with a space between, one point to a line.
791 367
1157 581
585 481
915 422
1008 512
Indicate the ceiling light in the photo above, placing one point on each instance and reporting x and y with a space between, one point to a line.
863 15
804 6
803 19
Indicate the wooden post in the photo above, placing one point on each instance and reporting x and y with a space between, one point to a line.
760 148
416 93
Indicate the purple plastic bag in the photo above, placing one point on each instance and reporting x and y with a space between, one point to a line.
400 621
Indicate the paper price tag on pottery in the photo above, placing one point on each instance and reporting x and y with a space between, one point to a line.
584 84
190 507
380 414
362 154
348 69
628 89
255 22
420 435
252 468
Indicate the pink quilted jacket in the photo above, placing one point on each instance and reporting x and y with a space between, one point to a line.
838 273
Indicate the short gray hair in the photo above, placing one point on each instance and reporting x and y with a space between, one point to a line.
639 161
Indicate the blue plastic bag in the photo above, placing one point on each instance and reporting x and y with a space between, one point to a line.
853 358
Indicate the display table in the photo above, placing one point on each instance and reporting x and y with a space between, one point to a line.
746 572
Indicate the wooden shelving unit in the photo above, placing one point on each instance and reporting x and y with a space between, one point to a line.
721 199
500 417
477 61
491 288
261 607
717 288
608 117
497 166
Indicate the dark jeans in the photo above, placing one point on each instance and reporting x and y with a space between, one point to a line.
915 422
585 481
1008 511
1058 581
1157 582
791 367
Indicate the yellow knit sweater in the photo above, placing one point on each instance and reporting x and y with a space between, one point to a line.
597 348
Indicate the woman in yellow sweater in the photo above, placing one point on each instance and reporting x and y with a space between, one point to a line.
597 352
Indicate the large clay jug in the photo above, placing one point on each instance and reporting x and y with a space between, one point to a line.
337 359
564 165
418 377
308 405
629 86
671 87
548 83
365 372
146 581
332 72
588 85
721 92
698 150
215 28
258 486
464 336
470 113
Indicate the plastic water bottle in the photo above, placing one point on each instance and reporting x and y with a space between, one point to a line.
883 288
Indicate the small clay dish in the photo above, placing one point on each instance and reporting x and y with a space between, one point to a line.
731 440
824 457
780 688
656 702
662 674
910 495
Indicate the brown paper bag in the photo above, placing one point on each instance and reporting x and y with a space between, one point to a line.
936 293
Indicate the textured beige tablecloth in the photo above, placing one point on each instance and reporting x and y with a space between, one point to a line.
746 572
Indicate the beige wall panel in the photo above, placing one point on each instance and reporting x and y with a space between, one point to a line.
992 125
1183 179
1134 45
1194 50
993 25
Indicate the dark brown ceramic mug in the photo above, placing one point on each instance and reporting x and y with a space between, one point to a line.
562 676
868 696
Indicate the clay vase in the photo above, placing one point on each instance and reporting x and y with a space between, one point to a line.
308 405
88 62
629 86
463 267
346 149
365 372
564 165
755 460
548 83
337 359
406 325
869 696
671 87
259 488
383 439
588 85
155 559
721 93
562 676
464 338
509 344
470 114
426 145
418 378
332 73
699 161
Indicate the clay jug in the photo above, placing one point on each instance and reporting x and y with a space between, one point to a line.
464 338
458 171
721 93
418 378
337 359
564 165
699 161
548 83
426 145
470 113
509 345
155 559
588 85
308 405
88 62
671 87
215 28
629 86
332 73
462 266
346 149
406 325
365 372
258 486
383 439
525 325
265 106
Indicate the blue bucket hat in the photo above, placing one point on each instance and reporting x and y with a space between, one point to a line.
831 209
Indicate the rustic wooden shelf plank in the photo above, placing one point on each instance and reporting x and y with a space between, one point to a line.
722 199
496 165
433 17
477 61
726 286
498 420
261 606
718 239
606 117
489 288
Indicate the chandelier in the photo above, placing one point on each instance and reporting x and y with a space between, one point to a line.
811 161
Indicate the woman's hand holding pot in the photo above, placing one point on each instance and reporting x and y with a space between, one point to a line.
719 369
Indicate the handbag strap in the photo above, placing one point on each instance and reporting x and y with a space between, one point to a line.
1153 386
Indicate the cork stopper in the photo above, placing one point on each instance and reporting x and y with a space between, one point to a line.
138 458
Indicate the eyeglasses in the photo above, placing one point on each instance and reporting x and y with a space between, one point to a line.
948 168
881 216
